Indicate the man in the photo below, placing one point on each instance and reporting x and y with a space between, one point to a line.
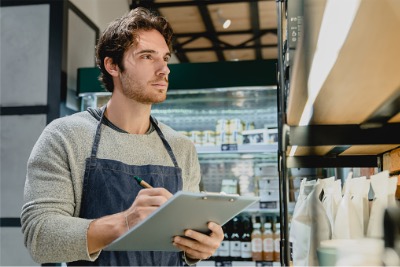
80 194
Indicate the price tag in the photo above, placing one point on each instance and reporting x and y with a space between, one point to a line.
229 147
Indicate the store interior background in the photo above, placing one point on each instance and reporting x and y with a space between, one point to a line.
40 38
41 52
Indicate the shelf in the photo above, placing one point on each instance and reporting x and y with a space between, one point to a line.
356 112
255 105
341 90
238 149
263 211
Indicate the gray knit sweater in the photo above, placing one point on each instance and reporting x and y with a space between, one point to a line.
53 190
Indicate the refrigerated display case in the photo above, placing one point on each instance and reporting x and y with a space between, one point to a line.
199 114
210 118
209 111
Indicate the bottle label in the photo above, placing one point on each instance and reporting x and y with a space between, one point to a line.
277 245
245 250
268 245
224 249
234 248
256 245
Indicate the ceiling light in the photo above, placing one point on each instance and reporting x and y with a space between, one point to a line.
224 22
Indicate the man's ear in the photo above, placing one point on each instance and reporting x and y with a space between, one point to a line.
111 68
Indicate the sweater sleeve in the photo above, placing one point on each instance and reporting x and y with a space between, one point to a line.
51 232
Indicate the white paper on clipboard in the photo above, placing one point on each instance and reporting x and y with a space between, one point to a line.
182 211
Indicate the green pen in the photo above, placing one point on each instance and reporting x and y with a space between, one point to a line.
141 182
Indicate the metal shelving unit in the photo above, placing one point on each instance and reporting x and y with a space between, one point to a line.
356 111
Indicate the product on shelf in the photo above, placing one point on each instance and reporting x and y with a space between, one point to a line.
349 222
304 236
269 199
332 190
236 125
256 243
235 137
196 137
222 126
229 186
277 242
268 242
208 138
256 136
384 197
224 249
245 250
235 241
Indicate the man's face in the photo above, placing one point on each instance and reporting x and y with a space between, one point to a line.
145 78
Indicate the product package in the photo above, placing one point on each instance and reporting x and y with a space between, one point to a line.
348 224
332 197
310 225
384 197
359 197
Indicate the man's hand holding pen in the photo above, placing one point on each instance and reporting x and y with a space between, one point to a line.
146 202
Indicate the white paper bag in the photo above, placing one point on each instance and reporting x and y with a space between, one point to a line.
347 223
384 197
309 226
379 183
359 197
331 200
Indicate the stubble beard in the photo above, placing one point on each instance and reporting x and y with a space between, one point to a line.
139 92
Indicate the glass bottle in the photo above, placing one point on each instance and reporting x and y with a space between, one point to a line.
234 241
268 243
223 250
256 243
245 250
277 242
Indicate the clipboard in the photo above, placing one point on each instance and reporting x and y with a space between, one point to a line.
182 211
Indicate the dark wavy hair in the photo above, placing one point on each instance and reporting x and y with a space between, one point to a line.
122 33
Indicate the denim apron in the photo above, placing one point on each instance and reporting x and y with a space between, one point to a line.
109 187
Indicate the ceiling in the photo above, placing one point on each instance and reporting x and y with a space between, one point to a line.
200 36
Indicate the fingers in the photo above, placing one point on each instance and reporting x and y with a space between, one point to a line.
199 245
158 191
152 197
216 230
146 202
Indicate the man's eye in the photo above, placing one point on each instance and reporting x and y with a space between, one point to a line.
147 56
166 59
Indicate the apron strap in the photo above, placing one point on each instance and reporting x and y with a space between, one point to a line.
96 141
166 144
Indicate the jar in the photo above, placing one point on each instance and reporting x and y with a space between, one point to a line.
222 138
236 137
236 125
196 137
208 138
249 126
222 126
